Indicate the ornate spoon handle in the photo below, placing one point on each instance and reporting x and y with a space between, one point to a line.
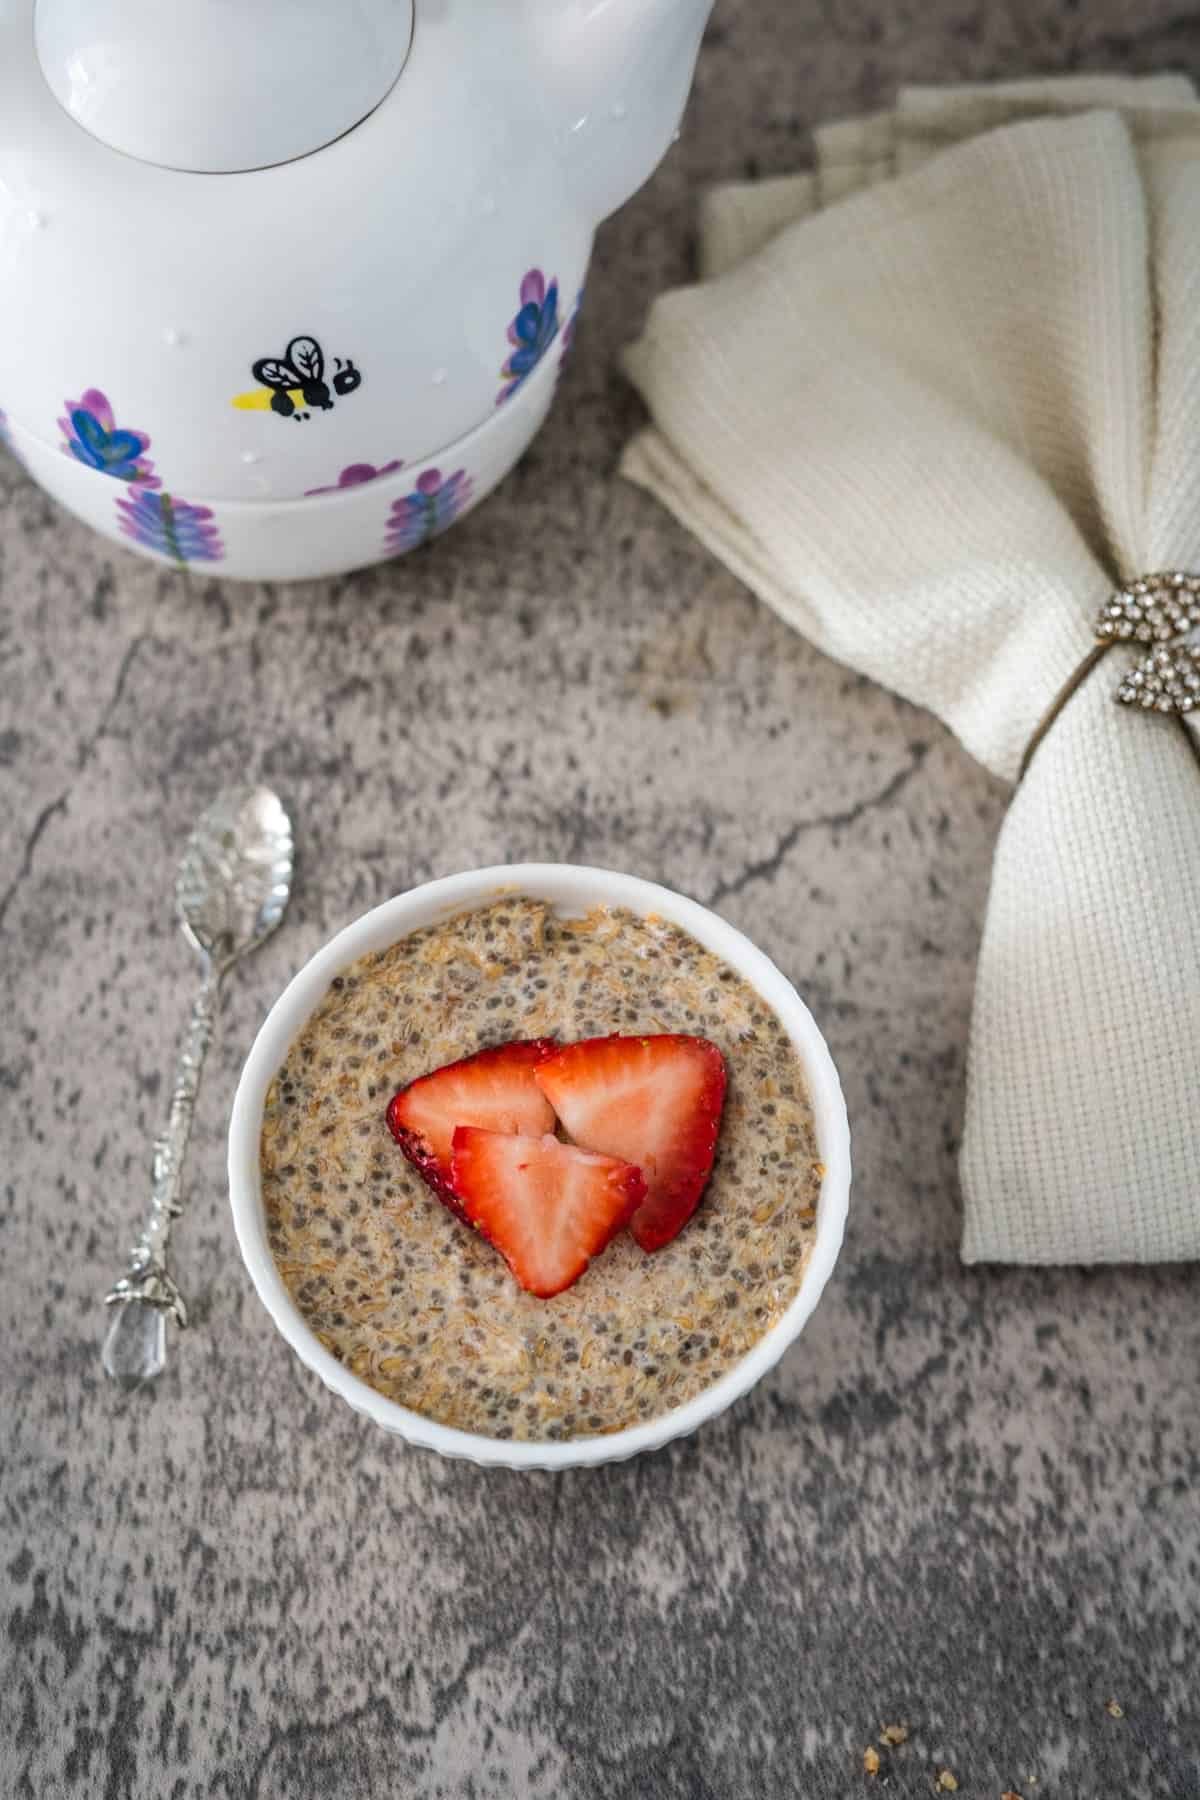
135 1347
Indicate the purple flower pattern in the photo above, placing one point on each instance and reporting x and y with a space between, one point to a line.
531 332
173 528
92 436
434 503
355 476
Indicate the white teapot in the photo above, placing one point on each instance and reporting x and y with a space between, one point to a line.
285 285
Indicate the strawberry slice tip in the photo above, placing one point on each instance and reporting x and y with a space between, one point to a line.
493 1089
653 1101
547 1207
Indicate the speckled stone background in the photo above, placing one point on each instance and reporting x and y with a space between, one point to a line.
967 1500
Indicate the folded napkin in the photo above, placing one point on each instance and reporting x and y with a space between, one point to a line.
933 403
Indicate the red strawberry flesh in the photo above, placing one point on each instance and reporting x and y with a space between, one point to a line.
493 1089
547 1207
652 1101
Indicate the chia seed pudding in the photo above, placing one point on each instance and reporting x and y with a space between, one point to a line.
424 1310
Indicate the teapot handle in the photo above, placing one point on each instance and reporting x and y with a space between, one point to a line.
615 80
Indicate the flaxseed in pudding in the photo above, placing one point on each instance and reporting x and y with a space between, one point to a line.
416 1303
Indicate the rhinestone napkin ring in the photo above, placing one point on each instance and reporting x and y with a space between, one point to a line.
1159 611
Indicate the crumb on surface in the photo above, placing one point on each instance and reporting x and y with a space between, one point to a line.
947 1782
893 1734
871 1760
1114 1709
1010 1794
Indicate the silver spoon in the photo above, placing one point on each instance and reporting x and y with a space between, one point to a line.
231 891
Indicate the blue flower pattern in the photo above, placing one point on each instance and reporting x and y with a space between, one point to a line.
531 332
92 436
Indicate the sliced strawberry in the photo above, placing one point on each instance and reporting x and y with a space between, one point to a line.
653 1101
547 1207
494 1089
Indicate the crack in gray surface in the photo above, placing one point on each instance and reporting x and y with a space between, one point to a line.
299 1733
136 646
84 755
769 866
34 838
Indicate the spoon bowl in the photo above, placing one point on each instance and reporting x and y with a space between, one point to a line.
236 873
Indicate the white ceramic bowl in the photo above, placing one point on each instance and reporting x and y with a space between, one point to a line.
571 891
324 534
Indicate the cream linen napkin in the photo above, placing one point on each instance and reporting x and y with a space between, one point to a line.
933 402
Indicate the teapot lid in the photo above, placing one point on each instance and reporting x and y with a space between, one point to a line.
218 86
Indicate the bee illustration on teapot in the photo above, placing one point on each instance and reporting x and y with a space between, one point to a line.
293 385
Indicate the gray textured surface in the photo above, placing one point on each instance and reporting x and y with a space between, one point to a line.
966 1499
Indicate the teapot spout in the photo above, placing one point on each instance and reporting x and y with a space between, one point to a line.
616 75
